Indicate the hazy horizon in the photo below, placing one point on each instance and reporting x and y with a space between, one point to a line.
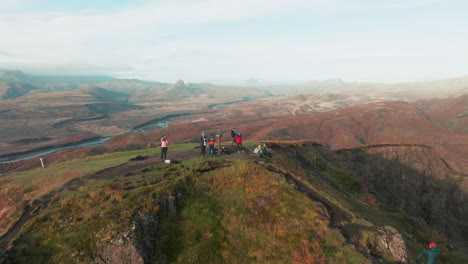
223 41
231 82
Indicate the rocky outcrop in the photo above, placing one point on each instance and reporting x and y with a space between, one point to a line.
120 250
140 244
386 241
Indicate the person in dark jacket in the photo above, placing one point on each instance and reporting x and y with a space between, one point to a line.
432 252
233 136
203 141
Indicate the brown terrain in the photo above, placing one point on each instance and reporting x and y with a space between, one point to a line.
436 123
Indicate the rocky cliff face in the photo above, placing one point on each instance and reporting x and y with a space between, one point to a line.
140 244
414 180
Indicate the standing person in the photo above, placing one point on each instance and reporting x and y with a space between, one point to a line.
239 142
164 145
233 136
203 144
211 143
432 252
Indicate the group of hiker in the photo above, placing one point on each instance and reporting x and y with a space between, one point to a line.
210 142
261 151
213 143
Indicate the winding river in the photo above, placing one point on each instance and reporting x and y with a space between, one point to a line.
49 150
151 125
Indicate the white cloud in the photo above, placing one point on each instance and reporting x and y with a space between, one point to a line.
12 3
406 3
144 39
5 54
66 36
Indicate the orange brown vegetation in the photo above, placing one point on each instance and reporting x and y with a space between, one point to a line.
10 198
263 216
309 253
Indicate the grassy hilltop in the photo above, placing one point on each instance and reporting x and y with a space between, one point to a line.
296 207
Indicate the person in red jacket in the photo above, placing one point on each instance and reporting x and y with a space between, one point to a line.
164 145
239 142
211 143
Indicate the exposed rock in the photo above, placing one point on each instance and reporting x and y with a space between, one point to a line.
120 250
140 244
146 228
388 240
171 207
145 233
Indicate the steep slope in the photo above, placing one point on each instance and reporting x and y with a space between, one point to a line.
302 205
415 180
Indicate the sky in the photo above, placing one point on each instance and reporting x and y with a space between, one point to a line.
227 41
